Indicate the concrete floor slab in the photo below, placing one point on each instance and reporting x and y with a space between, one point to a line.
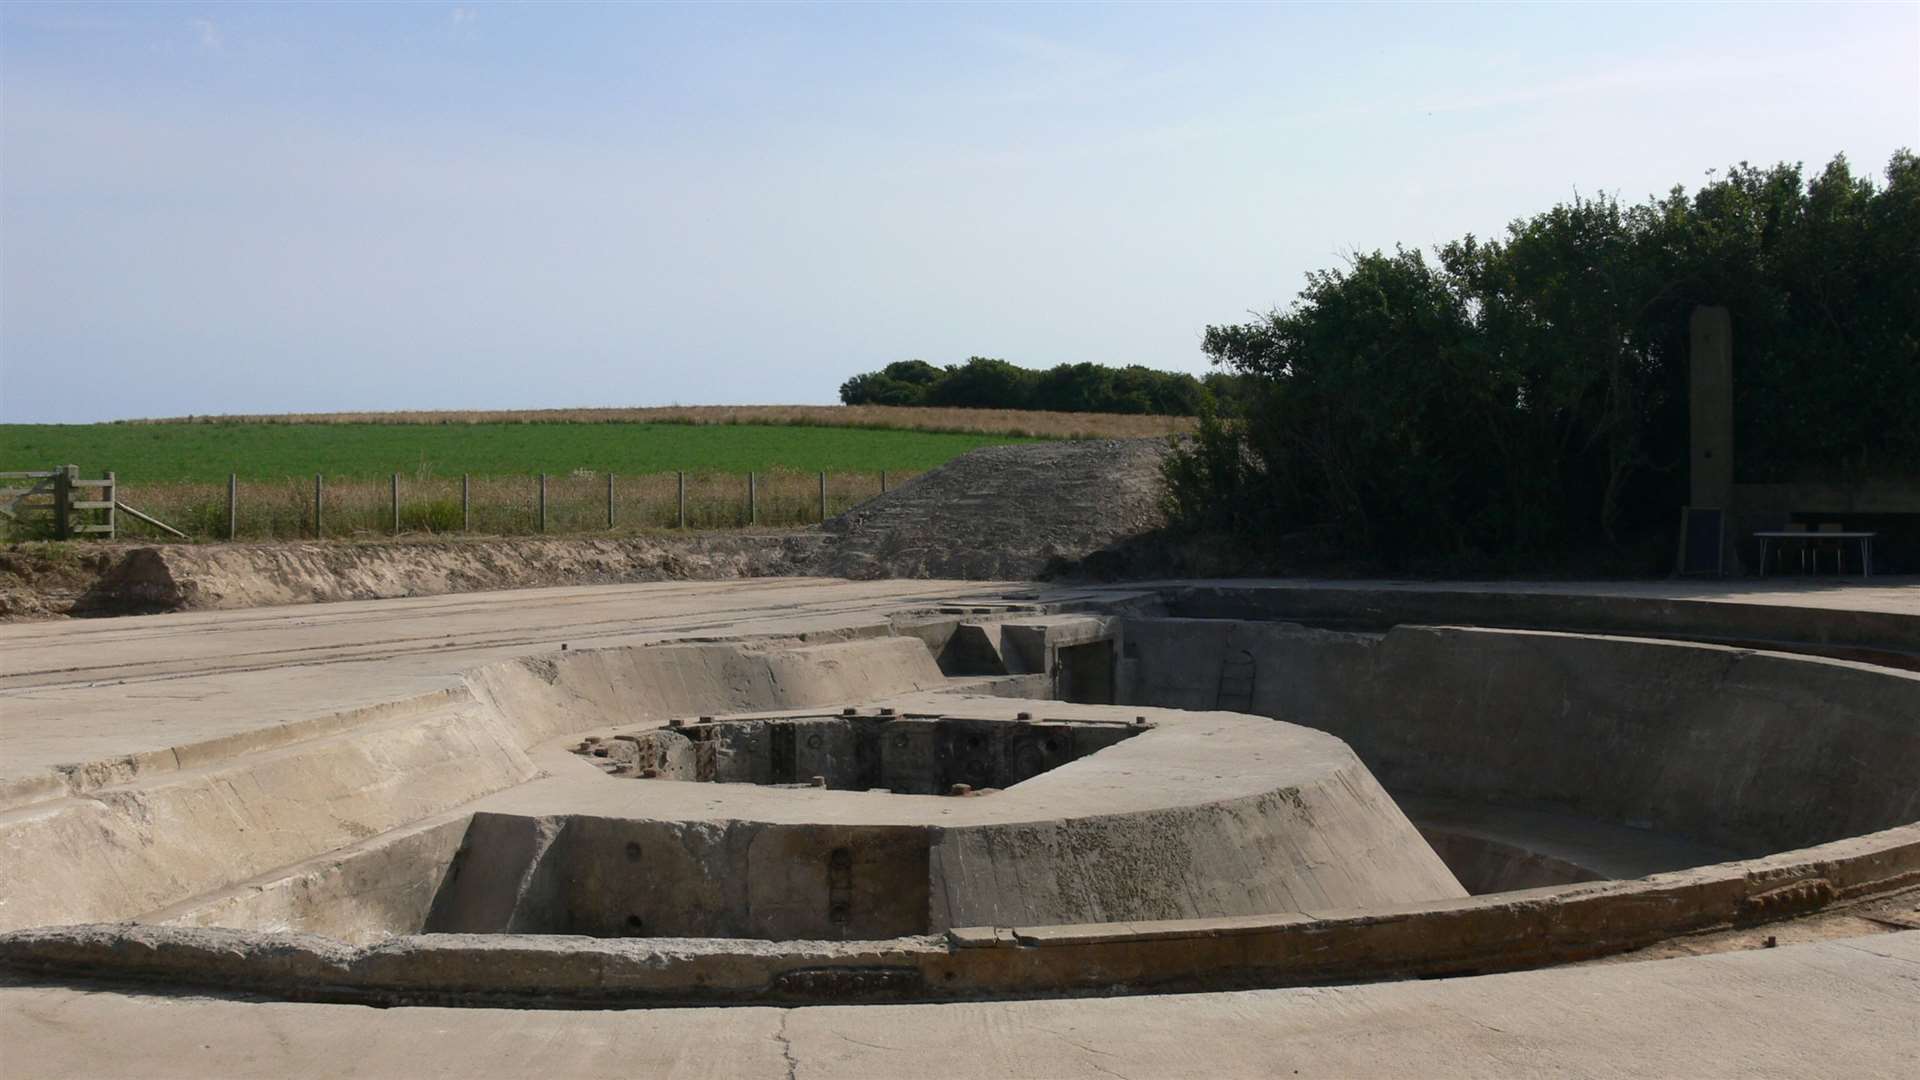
95 689
92 689
1840 1008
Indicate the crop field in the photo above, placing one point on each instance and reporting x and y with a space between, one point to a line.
178 472
604 470
207 453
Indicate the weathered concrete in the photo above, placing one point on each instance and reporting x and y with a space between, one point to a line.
1838 1008
1750 751
1201 814
160 835
1506 931
281 686
1494 847
125 695
1877 621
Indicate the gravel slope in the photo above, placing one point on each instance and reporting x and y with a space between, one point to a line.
1012 512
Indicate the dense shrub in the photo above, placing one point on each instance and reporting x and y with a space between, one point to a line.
1527 396
986 383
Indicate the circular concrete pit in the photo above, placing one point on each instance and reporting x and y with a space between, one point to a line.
1178 788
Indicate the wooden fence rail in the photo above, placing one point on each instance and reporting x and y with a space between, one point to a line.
59 503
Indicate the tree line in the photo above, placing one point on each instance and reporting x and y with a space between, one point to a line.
1526 395
988 383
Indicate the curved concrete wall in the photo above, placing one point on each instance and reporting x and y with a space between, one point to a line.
1891 637
1753 751
1333 840
1447 937
151 838
1198 815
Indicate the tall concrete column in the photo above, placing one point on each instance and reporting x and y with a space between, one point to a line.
1710 407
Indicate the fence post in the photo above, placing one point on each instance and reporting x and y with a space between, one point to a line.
466 503
63 478
823 496
543 503
753 502
233 506
396 504
112 496
883 481
609 500
319 487
682 483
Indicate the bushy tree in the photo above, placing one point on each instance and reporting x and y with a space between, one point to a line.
904 382
987 383
1527 395
984 383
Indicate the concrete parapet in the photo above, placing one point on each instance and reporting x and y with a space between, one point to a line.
1446 937
1751 751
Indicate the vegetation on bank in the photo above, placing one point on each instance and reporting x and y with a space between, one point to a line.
1511 401
1032 423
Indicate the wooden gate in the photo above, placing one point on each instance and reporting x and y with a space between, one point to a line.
55 497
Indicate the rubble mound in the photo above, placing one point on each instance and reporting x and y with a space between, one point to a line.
1005 512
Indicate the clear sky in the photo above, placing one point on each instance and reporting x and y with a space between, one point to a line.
230 208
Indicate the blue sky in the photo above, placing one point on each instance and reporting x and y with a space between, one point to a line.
230 208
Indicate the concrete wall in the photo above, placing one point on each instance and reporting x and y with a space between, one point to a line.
365 893
1893 635
635 878
1338 841
1753 751
1449 937
559 693
163 837
121 851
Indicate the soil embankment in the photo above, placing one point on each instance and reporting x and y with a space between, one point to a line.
1000 513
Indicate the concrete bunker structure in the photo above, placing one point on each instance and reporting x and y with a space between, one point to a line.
1329 785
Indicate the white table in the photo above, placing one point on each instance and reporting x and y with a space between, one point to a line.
1865 538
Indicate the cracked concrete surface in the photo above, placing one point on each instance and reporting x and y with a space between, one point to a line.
1836 1008
1829 1007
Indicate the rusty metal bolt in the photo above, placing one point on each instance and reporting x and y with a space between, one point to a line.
849 711
1023 716
649 774
886 712
563 646
706 719
818 781
960 789
1139 721
677 722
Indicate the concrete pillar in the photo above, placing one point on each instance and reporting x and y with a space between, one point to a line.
1710 408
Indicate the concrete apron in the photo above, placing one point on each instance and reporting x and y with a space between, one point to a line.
408 778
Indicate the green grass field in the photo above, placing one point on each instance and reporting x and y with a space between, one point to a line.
205 453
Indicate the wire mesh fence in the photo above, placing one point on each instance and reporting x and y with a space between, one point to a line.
581 501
